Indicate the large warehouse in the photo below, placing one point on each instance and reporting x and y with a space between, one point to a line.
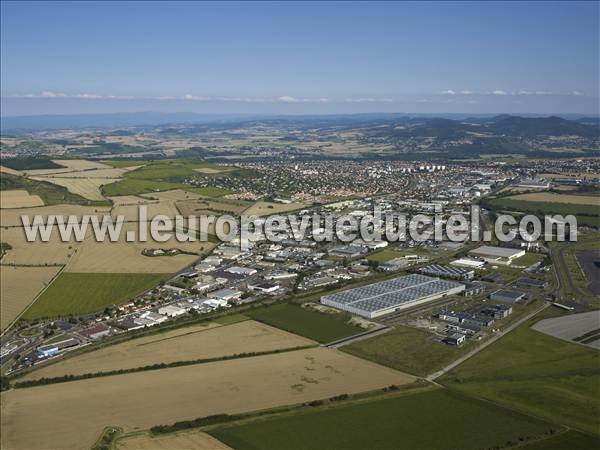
388 296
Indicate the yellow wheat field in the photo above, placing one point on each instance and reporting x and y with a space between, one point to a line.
19 198
86 187
268 208
18 287
196 342
12 217
70 165
126 257
551 197
72 415
37 252
8 170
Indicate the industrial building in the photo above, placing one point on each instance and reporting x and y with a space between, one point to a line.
497 255
504 295
438 270
531 283
385 297
468 262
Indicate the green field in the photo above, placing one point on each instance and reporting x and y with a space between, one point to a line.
161 176
384 255
529 259
311 324
433 420
83 293
30 163
538 374
407 349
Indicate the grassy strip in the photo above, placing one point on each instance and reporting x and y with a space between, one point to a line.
315 325
407 349
429 420
158 366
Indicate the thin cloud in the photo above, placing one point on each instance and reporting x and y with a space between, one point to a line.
368 100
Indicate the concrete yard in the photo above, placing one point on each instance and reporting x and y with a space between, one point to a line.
571 327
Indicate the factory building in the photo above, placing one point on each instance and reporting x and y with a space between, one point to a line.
505 295
497 255
385 297
438 270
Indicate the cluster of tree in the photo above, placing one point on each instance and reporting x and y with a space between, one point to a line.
4 384
195 423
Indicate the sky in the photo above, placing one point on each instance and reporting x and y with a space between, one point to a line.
299 58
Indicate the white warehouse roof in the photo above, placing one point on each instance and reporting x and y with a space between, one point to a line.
388 296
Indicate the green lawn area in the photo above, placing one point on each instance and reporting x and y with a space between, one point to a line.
82 293
161 176
431 420
384 255
538 374
321 327
406 349
571 440
528 259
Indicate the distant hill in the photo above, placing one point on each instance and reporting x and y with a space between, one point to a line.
542 126
444 126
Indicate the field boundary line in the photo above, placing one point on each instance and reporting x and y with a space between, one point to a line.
10 325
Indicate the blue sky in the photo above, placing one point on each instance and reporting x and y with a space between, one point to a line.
68 57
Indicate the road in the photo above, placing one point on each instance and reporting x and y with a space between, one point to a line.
487 343
358 337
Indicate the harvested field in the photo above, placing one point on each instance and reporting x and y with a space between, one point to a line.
70 165
194 439
173 195
581 175
154 208
203 341
268 208
95 173
36 253
19 198
12 217
207 206
4 169
212 170
94 256
141 400
86 187
18 288
124 200
551 197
